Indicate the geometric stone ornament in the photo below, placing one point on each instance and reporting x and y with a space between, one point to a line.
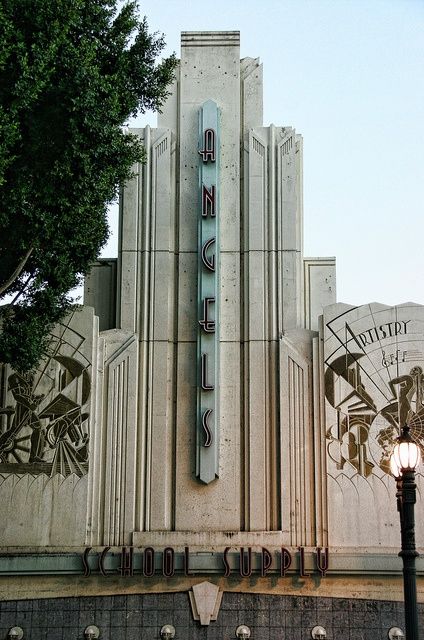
205 600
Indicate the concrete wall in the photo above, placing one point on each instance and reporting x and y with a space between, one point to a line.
261 304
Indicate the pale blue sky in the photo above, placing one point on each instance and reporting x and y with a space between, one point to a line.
349 76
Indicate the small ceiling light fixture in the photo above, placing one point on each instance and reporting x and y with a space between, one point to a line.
395 634
318 633
91 632
15 633
167 632
243 632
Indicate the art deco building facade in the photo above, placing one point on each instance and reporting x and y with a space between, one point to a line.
206 442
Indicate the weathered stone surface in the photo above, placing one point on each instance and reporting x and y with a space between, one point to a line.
132 616
49 419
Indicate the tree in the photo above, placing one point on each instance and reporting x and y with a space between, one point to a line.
71 74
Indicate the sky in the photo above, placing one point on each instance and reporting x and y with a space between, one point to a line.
349 76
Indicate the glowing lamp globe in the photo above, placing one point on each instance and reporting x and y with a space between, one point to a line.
406 455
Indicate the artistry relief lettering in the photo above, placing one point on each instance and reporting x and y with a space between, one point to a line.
208 301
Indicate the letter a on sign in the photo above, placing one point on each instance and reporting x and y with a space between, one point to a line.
208 151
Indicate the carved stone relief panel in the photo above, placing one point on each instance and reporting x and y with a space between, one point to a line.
46 429
374 384
44 414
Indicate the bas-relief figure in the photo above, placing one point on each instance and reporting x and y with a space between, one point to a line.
46 423
373 378
373 383
45 415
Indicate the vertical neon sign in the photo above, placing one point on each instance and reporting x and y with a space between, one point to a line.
207 465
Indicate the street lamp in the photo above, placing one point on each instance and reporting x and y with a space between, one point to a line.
404 461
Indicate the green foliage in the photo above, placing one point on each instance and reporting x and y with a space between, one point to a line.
71 74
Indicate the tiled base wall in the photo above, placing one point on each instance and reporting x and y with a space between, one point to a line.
140 617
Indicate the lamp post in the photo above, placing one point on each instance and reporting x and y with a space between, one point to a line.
404 461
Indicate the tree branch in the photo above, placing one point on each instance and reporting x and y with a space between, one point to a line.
17 272
22 289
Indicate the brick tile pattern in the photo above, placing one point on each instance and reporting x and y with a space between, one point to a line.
140 617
